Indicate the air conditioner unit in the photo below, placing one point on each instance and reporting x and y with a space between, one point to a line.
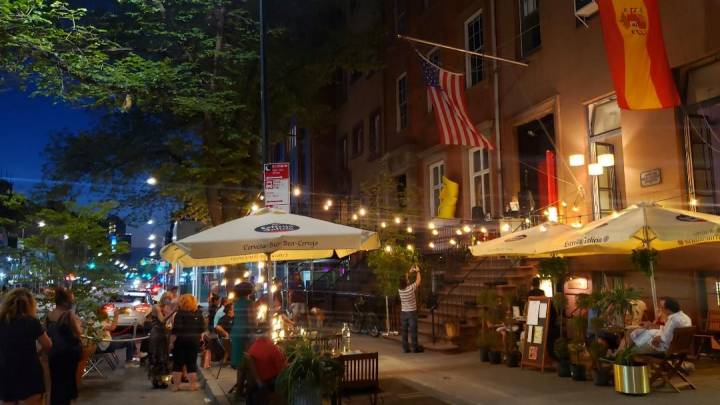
586 10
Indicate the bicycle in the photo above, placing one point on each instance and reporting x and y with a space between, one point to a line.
364 322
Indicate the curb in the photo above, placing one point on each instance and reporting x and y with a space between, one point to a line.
213 391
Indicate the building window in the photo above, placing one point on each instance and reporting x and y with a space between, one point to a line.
480 182
437 171
401 13
358 139
529 26
702 136
474 41
434 57
402 102
606 139
375 132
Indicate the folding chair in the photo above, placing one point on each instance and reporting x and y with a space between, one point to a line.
666 366
93 364
707 339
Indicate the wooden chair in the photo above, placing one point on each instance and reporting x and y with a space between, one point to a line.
707 339
360 374
666 366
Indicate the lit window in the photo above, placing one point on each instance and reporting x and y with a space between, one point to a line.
437 171
480 181
606 139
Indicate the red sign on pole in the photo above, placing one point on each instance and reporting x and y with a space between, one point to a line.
277 186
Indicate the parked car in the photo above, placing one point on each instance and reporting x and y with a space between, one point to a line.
138 305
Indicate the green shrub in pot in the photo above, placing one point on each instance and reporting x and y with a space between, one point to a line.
308 374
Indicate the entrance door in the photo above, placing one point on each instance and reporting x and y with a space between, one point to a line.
536 157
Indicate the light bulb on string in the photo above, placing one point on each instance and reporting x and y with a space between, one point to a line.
150 221
431 245
329 203
151 181
435 232
483 230
409 229
453 242
397 220
297 191
354 217
362 212
431 225
388 248
410 247
383 225
467 229
458 232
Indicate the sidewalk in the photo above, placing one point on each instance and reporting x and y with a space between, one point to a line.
437 378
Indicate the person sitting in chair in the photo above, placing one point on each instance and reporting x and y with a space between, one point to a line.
265 361
657 340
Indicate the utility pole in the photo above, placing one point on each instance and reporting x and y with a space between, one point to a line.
263 87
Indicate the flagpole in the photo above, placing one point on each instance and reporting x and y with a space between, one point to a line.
452 48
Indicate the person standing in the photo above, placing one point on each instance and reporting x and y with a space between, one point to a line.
535 290
408 304
241 331
21 374
64 329
159 356
298 302
187 328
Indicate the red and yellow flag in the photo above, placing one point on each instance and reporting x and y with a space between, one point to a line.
636 54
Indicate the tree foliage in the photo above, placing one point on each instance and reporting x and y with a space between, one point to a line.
178 82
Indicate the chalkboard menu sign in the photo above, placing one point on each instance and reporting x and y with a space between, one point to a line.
535 344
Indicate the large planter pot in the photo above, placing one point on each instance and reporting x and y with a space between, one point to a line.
633 380
577 371
484 354
513 359
602 376
563 369
307 395
452 329
495 357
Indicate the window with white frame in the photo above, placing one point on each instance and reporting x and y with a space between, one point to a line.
436 173
474 41
434 57
606 141
480 180
401 102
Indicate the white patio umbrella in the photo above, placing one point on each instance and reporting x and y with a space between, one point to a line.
527 242
269 235
644 225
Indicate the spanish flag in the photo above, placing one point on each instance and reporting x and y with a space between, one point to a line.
636 54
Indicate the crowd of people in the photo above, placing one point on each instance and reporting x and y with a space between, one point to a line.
179 333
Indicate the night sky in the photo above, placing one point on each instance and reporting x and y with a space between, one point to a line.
26 124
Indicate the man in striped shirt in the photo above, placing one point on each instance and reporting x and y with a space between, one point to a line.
408 306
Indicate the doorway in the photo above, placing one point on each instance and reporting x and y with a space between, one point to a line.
536 160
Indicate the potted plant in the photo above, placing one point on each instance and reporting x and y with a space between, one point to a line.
617 303
630 377
601 374
309 375
487 337
644 259
577 329
560 345
556 269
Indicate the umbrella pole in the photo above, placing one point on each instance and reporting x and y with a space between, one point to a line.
653 289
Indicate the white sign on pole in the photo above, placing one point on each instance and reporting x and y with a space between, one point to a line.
277 186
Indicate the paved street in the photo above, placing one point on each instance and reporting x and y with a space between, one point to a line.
131 387
437 378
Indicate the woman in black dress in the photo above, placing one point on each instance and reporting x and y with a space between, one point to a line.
159 345
189 325
63 327
21 375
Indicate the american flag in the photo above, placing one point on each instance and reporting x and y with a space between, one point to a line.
447 92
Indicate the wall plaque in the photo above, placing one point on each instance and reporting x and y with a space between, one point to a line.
650 178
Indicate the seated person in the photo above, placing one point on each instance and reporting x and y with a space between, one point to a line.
223 327
266 361
106 345
657 340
